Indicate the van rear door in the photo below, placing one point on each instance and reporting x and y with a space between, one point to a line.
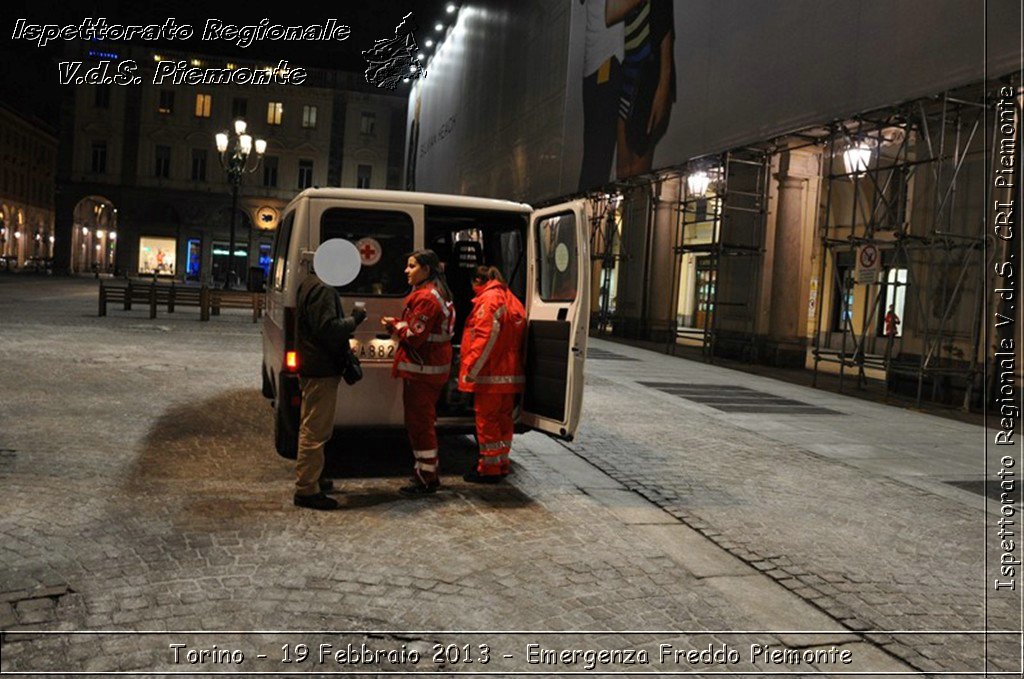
558 308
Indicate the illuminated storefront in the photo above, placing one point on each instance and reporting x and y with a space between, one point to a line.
157 255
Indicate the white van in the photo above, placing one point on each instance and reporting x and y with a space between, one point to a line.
542 253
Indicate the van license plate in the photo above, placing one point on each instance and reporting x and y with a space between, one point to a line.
374 350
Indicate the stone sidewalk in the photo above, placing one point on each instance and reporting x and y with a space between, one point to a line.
861 509
142 494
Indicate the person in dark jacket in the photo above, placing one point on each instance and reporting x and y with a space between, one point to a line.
323 336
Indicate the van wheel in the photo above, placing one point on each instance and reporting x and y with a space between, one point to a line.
286 430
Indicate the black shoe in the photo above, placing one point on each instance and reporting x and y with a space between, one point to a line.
418 487
326 485
476 477
318 501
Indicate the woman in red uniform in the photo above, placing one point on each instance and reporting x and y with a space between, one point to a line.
491 367
423 361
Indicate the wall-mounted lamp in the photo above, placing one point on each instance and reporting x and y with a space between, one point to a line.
697 183
857 157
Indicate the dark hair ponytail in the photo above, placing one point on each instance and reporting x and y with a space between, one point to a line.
429 258
488 273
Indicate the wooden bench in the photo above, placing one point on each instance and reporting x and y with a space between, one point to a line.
113 294
207 300
236 299
181 295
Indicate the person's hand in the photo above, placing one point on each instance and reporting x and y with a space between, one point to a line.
359 313
388 322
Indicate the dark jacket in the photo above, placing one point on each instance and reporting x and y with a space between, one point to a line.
323 328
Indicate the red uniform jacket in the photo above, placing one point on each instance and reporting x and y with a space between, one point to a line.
424 336
492 343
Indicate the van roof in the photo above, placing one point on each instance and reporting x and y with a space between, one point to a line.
439 199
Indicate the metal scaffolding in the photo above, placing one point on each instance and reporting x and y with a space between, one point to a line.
906 203
733 215
603 242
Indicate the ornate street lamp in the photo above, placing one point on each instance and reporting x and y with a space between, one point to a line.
697 183
234 154
857 157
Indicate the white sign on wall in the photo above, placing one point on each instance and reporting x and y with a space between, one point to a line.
869 263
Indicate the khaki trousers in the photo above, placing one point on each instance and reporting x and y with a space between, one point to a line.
316 426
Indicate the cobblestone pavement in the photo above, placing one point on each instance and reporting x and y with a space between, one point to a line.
894 551
141 492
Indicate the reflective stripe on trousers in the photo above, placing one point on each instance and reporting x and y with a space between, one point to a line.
494 429
499 461
426 460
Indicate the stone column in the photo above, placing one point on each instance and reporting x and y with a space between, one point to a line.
661 280
629 311
795 225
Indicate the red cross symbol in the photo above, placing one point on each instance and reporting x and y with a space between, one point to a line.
368 251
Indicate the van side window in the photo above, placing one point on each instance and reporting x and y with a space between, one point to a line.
280 264
556 243
384 240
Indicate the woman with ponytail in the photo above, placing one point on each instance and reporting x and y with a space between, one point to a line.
491 367
423 361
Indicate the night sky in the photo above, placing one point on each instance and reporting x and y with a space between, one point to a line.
28 80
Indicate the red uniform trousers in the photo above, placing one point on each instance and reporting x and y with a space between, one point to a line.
494 430
419 399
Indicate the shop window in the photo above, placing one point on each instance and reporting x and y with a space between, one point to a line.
156 255
842 288
309 116
265 259
193 260
220 261
305 174
895 296
166 105
204 104
705 275
364 175
274 111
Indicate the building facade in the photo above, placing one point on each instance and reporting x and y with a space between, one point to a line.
800 183
142 187
28 167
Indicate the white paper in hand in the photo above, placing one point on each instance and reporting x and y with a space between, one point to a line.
337 262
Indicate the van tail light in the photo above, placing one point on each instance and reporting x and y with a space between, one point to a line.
291 361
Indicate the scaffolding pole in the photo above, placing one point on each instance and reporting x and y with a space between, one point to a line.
944 129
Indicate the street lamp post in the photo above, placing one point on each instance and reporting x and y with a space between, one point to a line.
234 154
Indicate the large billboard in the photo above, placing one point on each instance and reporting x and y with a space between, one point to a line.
553 98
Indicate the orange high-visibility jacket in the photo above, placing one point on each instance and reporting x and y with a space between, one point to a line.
424 336
492 343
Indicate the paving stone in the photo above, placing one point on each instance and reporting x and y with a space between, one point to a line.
183 520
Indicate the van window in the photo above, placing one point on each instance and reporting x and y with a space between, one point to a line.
384 239
556 237
465 238
284 236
